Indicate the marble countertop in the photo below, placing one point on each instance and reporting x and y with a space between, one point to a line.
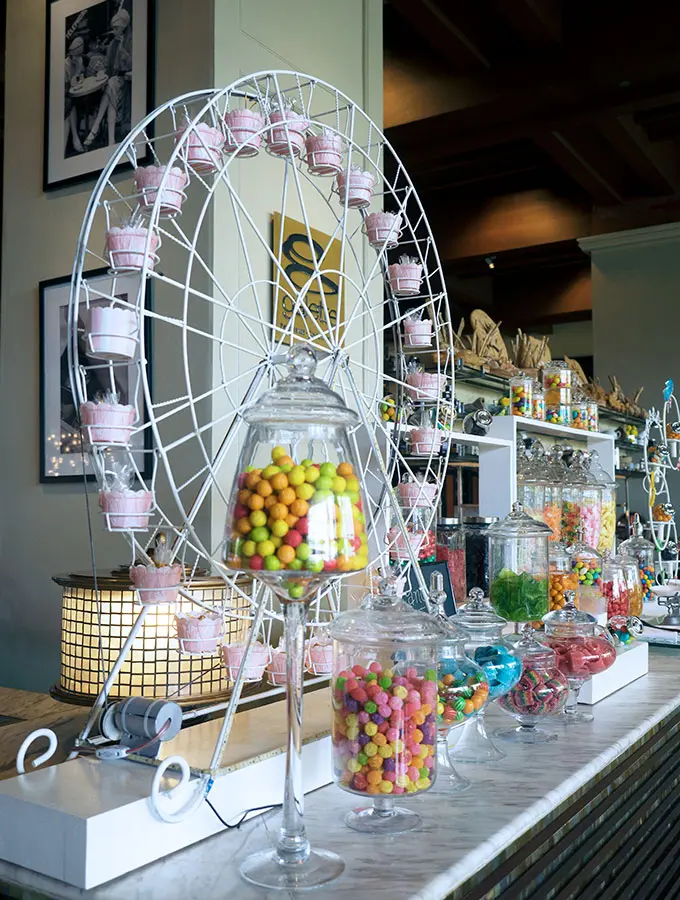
460 833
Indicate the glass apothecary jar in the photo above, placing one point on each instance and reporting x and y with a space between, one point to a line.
538 402
556 378
521 392
583 649
593 415
539 695
642 551
487 646
518 567
531 490
556 473
581 503
384 696
477 550
615 588
579 411
607 487
631 573
562 576
451 550
586 563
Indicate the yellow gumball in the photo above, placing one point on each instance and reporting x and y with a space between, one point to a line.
311 474
296 476
304 491
278 452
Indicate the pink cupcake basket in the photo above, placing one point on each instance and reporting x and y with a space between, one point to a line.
278 134
232 656
405 277
417 493
383 230
148 182
357 186
107 423
126 248
156 584
198 631
113 332
319 657
203 148
425 441
244 132
323 153
399 547
276 670
126 510
425 385
417 333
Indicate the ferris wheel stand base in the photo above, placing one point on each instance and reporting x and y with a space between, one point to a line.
89 821
631 664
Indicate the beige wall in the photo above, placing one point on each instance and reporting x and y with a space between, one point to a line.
43 529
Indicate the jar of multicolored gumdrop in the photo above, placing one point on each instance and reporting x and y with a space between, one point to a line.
384 696
521 390
579 411
538 402
557 386
586 563
593 415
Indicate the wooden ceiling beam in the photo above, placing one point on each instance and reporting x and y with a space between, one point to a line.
580 162
452 42
538 23
657 165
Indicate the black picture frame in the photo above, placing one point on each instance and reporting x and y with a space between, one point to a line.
63 165
427 568
55 292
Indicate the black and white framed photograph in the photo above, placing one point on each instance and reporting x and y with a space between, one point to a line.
61 455
98 83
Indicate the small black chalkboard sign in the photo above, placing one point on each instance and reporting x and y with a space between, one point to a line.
413 594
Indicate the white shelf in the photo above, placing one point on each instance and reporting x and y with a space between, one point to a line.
502 425
461 438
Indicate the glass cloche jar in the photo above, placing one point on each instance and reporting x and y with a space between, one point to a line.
641 550
631 573
562 577
485 643
582 649
615 588
582 503
608 502
586 562
384 695
539 695
518 567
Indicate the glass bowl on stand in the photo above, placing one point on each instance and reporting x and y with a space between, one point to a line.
295 522
485 644
384 694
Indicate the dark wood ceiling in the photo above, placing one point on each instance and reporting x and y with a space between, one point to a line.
530 123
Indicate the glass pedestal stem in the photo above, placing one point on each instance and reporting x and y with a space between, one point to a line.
572 714
293 845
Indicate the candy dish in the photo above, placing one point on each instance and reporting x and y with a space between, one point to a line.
148 182
583 649
539 695
198 631
244 132
202 147
384 697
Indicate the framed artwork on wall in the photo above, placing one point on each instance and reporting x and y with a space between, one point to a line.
98 83
61 457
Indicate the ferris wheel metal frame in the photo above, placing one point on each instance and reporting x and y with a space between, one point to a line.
383 456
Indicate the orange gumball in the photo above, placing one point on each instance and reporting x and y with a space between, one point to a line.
287 496
286 554
279 481
278 511
299 508
343 563
469 707
253 479
243 526
478 702
270 501
284 461
291 520
264 488
345 469
243 497
255 501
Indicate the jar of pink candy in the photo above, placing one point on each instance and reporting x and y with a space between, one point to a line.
615 588
539 695
384 696
583 649
451 550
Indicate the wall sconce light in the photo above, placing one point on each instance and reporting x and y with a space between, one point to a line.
490 261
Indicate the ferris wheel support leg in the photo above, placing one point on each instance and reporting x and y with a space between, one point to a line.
110 681
228 720
424 590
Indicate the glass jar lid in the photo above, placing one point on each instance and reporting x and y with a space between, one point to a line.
532 652
300 397
569 620
637 543
559 557
517 524
600 475
384 618
448 521
580 550
477 615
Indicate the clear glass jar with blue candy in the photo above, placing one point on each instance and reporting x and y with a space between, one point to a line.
462 688
384 697
490 649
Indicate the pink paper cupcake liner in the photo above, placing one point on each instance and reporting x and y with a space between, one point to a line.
199 632
157 585
323 153
277 135
244 132
405 278
113 332
107 423
126 248
203 147
148 182
126 510
232 656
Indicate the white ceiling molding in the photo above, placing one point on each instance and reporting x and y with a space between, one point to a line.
635 237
